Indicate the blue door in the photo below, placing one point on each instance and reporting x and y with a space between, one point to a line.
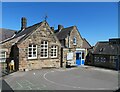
78 58
83 61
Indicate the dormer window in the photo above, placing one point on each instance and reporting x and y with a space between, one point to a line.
74 41
101 50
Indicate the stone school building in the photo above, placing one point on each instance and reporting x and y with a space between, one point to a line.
73 46
33 47
39 46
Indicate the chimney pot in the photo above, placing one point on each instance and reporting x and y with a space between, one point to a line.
60 27
23 23
52 28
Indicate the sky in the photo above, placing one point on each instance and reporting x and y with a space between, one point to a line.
96 21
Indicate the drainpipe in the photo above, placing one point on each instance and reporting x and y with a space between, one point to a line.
69 41
61 62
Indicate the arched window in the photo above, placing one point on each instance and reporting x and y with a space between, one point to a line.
74 41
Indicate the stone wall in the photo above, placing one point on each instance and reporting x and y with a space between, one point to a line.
7 45
65 51
41 34
79 40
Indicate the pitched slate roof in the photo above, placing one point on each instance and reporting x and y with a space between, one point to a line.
86 44
106 48
6 33
28 30
64 32
22 34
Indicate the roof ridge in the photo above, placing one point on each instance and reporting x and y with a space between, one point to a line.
87 42
19 32
103 41
108 49
33 25
66 27
8 29
69 27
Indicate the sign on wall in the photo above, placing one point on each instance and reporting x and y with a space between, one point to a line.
70 56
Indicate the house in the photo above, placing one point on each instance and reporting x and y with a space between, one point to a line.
33 47
106 54
5 34
74 47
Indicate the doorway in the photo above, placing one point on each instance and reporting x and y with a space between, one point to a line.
14 55
80 58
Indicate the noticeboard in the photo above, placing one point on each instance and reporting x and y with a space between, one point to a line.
70 56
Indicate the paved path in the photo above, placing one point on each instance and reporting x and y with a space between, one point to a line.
80 78
5 87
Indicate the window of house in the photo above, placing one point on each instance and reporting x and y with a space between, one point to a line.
101 49
32 51
44 49
96 59
74 41
103 59
113 59
2 54
54 51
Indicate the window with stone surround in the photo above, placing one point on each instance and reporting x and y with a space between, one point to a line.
2 56
113 59
74 40
53 51
44 49
32 51
96 59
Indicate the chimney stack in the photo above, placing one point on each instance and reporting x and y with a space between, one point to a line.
52 28
23 23
60 27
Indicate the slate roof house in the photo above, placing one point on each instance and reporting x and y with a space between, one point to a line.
106 54
74 47
5 34
33 47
